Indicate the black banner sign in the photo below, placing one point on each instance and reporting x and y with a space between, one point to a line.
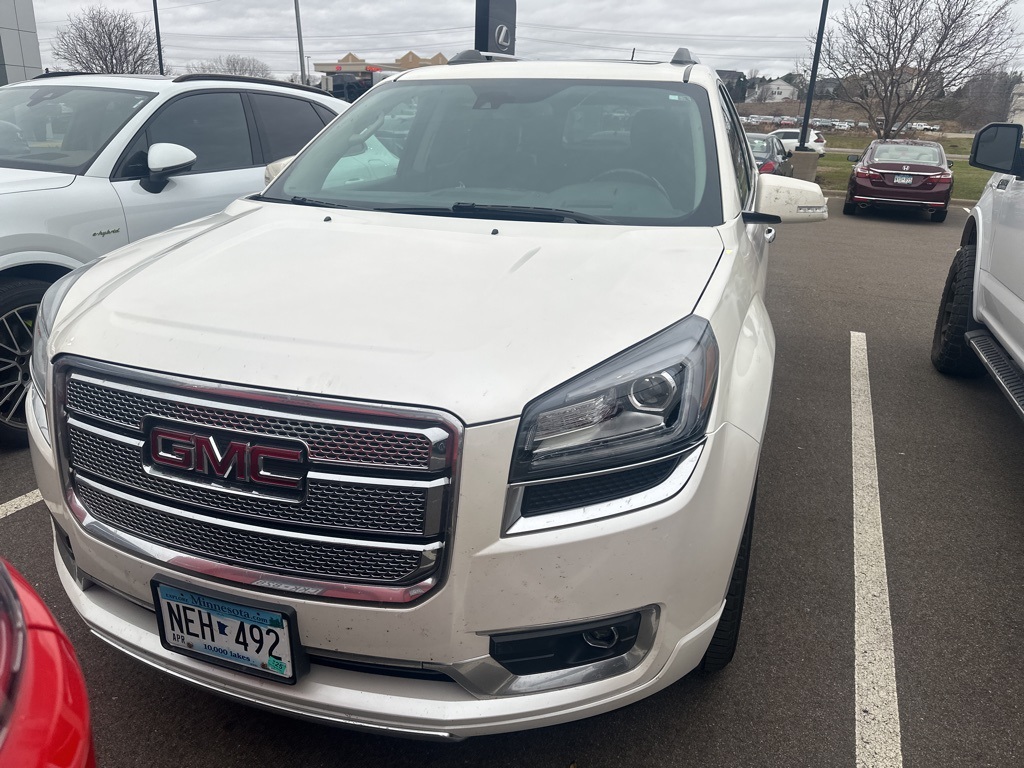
496 26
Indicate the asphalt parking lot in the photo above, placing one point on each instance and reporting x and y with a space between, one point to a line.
800 692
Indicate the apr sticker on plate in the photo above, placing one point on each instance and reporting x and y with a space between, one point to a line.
253 638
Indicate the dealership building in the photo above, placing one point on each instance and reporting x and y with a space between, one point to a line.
19 42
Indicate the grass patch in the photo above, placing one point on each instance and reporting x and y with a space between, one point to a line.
968 182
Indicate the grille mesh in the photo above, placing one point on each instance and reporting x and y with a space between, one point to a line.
346 506
264 552
357 445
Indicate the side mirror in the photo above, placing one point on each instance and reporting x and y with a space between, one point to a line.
996 148
950 163
164 161
273 170
789 153
782 199
853 158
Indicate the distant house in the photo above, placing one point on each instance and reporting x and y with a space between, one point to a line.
826 87
777 90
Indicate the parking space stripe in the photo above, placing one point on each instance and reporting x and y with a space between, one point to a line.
878 716
12 506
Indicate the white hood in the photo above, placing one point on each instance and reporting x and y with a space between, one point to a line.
393 308
18 180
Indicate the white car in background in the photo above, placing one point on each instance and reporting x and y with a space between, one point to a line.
790 138
89 163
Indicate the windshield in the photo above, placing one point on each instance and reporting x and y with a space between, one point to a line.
614 152
759 146
907 153
59 127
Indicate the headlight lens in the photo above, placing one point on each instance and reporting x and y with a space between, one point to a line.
645 403
48 307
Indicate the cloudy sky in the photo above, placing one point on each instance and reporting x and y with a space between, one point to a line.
727 34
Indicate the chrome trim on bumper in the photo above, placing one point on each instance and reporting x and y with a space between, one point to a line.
859 198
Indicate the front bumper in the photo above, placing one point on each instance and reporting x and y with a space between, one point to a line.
674 557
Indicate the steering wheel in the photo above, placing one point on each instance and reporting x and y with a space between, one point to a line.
633 172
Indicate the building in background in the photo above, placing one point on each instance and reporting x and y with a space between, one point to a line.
777 90
350 76
19 42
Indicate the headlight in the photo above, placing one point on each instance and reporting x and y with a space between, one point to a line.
647 402
48 307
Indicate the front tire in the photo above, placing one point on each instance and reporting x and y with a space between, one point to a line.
19 303
950 353
727 633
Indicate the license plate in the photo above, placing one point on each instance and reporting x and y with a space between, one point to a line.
251 637
900 178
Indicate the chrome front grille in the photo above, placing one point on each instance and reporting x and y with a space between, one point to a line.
369 522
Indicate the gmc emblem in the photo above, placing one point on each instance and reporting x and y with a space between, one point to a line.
236 460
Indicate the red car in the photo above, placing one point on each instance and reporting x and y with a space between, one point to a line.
44 713
901 172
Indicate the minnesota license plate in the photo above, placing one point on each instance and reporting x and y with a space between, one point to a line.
251 637
900 178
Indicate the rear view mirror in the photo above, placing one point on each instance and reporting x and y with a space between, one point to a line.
996 148
783 199
165 160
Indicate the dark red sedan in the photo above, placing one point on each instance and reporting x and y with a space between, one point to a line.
44 713
901 172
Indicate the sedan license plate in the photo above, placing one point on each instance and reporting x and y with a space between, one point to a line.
253 637
900 178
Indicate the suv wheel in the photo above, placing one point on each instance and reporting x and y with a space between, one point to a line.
19 302
723 642
950 353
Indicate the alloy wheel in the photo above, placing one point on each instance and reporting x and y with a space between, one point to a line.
15 357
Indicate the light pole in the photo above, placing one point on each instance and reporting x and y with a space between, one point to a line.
298 31
309 71
802 144
159 47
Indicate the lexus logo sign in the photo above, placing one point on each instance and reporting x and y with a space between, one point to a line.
502 37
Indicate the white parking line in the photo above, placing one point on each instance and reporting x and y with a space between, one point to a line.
967 210
878 714
12 506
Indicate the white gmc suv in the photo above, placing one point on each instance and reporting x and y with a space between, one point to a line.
89 163
465 445
980 326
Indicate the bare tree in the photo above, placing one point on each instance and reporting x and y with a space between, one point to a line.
106 41
232 64
896 59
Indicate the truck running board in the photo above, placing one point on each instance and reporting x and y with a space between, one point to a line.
1006 373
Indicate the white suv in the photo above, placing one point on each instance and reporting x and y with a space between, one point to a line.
89 163
790 138
466 446
980 326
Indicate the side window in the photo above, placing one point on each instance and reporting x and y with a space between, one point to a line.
285 124
325 114
212 125
737 148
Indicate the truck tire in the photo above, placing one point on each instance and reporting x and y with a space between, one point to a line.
19 301
727 633
950 353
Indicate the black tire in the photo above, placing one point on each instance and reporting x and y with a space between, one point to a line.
727 633
19 301
950 353
849 209
939 216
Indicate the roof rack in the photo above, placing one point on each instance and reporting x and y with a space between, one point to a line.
44 75
683 56
473 56
245 79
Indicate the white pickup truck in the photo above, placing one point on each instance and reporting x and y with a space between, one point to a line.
980 326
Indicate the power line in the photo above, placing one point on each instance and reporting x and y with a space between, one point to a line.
139 13
666 35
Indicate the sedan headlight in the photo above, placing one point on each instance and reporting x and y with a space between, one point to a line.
648 402
40 365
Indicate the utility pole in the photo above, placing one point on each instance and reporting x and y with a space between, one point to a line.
159 46
802 144
298 31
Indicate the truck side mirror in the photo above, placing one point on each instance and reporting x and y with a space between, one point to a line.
996 148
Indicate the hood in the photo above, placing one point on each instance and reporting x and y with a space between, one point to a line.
476 317
19 180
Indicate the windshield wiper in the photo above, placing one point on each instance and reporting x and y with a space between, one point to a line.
529 212
315 203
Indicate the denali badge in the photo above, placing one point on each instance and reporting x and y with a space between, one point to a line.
234 460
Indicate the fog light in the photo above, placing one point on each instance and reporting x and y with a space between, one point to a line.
604 637
566 646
